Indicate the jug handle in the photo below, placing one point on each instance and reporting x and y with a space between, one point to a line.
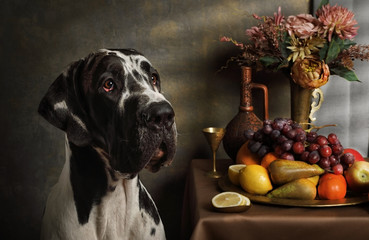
266 103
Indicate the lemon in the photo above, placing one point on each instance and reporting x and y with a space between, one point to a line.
255 179
234 172
230 202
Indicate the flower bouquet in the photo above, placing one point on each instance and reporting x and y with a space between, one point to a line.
310 48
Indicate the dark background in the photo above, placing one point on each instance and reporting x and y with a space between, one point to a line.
181 38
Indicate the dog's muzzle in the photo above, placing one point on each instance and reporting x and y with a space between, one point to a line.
158 117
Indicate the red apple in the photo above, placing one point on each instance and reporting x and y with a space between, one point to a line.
357 176
357 155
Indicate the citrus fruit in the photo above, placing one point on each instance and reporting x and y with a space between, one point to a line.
234 172
230 202
332 186
267 159
255 179
245 156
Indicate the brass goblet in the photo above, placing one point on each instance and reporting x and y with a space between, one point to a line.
214 136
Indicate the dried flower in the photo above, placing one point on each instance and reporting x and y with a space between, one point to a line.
227 39
257 37
303 26
338 20
310 72
278 17
277 42
304 47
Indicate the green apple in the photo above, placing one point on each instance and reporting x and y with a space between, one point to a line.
357 176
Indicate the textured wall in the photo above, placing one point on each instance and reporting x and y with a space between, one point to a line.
40 38
347 104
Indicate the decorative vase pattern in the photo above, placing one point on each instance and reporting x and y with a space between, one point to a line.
246 118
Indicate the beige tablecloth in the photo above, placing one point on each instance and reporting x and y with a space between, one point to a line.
201 222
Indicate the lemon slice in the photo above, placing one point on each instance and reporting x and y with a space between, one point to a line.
230 202
234 172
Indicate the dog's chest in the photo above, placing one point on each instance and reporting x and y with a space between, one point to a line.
122 214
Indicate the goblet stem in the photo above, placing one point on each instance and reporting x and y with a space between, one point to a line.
214 162
214 173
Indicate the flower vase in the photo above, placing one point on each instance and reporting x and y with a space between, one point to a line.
301 99
246 118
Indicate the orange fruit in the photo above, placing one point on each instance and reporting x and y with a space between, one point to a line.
332 186
245 156
267 159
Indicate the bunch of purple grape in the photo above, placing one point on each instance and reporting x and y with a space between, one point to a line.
289 141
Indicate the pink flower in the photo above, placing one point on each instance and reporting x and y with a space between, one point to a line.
256 16
338 20
278 17
228 39
302 26
256 36
225 39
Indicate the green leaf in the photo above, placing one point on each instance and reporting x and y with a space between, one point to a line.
333 50
347 43
283 45
323 51
283 64
322 3
345 73
268 60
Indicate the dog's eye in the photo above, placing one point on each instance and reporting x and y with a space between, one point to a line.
154 79
108 85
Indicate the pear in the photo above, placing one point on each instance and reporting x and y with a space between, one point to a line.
298 189
284 171
314 179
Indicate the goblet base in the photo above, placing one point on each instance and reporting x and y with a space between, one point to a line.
214 174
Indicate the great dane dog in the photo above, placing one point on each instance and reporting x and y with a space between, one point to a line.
117 122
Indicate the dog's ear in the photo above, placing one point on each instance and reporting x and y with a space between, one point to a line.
62 107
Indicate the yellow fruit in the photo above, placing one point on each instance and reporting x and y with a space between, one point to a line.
314 179
298 189
255 179
230 202
245 156
234 172
268 159
283 171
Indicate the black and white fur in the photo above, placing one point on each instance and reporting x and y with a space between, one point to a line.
117 122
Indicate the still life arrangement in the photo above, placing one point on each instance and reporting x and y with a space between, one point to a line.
281 158
282 164
309 48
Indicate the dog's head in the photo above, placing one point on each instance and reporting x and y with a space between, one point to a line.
112 101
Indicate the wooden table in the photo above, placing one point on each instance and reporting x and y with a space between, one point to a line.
261 221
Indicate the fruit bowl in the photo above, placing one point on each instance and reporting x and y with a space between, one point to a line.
350 199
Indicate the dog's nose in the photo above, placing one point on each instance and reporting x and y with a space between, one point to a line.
159 115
